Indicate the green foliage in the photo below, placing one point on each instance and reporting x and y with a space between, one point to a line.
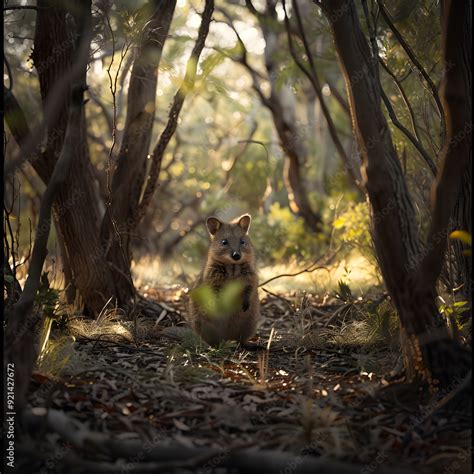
47 298
383 325
249 177
56 355
453 309
370 328
352 229
280 235
216 304
465 238
344 293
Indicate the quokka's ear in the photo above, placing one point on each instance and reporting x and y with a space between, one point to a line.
213 224
244 222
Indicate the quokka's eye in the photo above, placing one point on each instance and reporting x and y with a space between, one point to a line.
224 242
242 242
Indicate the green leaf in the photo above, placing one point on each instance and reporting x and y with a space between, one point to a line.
206 299
345 292
218 304
231 297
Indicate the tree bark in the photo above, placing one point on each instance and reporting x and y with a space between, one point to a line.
409 270
20 334
118 225
75 210
462 221
452 185
282 105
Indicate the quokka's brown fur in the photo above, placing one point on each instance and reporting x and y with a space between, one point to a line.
230 258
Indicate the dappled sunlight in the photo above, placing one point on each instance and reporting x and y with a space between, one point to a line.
236 236
356 270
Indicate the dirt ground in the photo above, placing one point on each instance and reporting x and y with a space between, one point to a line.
319 391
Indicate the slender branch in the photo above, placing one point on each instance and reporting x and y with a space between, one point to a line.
372 27
170 245
254 74
311 268
407 133
314 80
251 8
30 149
400 88
410 53
456 155
13 287
178 101
238 156
339 98
103 108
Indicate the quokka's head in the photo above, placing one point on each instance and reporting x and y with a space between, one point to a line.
230 243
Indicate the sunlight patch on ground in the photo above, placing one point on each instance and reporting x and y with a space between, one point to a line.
357 271
155 273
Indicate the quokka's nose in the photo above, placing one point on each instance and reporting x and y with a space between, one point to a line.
236 256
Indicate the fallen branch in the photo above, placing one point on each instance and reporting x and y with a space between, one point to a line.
138 456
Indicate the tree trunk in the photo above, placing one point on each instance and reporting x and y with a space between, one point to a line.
462 221
119 222
463 78
409 275
21 331
282 105
75 210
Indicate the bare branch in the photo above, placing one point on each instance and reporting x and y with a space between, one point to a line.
311 268
238 156
410 53
456 156
407 133
313 78
400 88
178 101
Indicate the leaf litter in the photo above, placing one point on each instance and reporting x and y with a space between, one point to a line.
319 389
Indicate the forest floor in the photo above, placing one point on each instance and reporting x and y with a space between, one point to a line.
319 391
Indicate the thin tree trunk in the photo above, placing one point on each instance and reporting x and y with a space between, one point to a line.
20 334
410 276
282 105
119 222
462 221
457 96
75 210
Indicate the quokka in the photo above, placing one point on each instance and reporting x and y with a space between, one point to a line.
230 265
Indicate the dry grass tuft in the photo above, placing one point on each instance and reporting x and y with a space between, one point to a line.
108 326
